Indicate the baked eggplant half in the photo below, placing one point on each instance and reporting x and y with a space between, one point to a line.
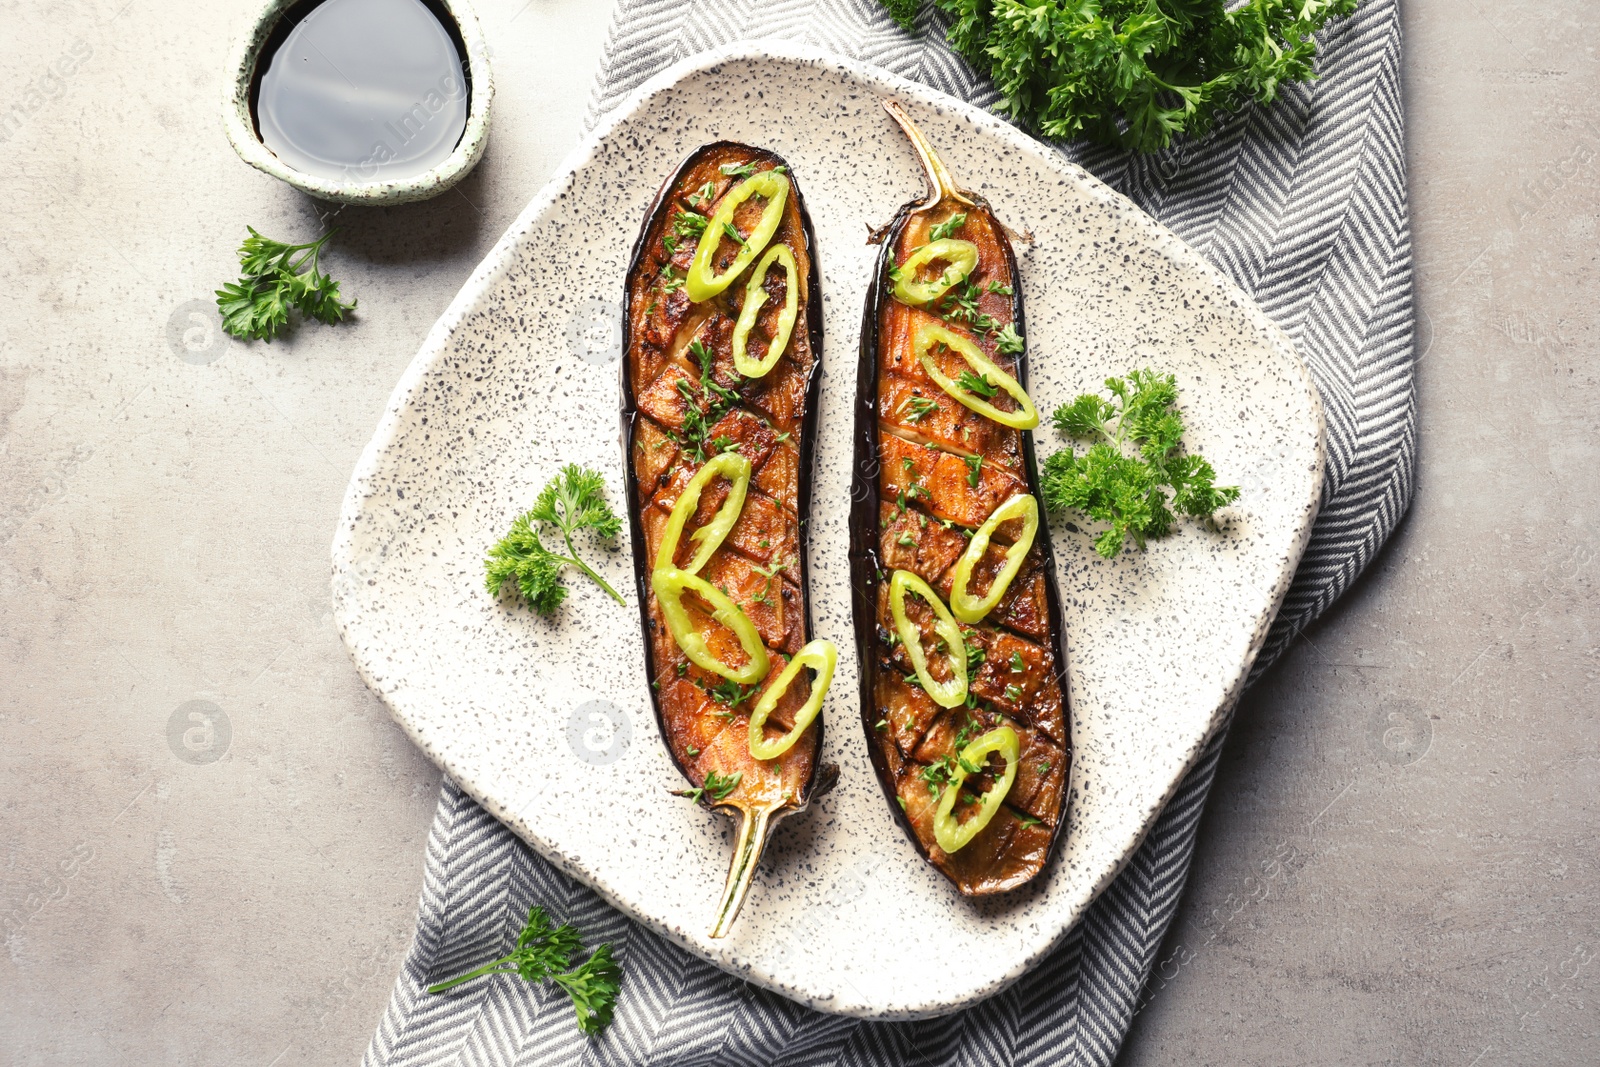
721 373
957 617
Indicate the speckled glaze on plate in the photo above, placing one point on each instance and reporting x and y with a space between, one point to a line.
547 722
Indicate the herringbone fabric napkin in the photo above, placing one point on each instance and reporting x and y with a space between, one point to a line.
1304 206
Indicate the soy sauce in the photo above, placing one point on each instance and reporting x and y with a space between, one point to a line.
362 90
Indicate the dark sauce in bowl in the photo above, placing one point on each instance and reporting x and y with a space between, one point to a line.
362 90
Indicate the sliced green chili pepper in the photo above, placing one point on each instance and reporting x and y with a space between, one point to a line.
952 835
819 655
701 283
962 257
669 585
969 608
730 465
755 296
945 694
929 333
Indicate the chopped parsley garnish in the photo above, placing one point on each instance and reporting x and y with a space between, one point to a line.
976 654
730 693
1009 342
939 773
770 573
976 385
947 227
716 397
920 407
961 305
717 786
685 224
745 170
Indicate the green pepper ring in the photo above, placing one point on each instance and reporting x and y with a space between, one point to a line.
669 584
736 469
929 333
699 283
953 836
823 656
962 257
945 694
755 298
964 605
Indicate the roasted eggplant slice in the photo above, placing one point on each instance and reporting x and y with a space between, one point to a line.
720 378
957 617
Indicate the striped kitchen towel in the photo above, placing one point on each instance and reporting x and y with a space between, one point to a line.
1304 205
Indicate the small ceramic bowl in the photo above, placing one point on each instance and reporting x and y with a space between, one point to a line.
241 127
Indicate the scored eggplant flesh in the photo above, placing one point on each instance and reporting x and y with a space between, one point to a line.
930 471
685 403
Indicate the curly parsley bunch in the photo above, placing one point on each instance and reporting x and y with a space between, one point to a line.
1132 73
1134 477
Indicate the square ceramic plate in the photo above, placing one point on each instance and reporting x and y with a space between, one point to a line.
547 722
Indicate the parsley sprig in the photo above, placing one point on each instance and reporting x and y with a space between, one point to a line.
544 952
593 987
1132 73
278 278
1129 492
573 501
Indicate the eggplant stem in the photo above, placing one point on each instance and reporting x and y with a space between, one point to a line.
941 186
754 827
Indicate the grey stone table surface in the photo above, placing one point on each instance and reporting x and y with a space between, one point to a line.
1398 865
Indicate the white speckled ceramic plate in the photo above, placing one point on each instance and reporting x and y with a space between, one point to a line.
547 722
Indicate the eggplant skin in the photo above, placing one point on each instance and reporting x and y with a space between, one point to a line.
775 422
1002 858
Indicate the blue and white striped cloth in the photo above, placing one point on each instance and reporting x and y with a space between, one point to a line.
1304 205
